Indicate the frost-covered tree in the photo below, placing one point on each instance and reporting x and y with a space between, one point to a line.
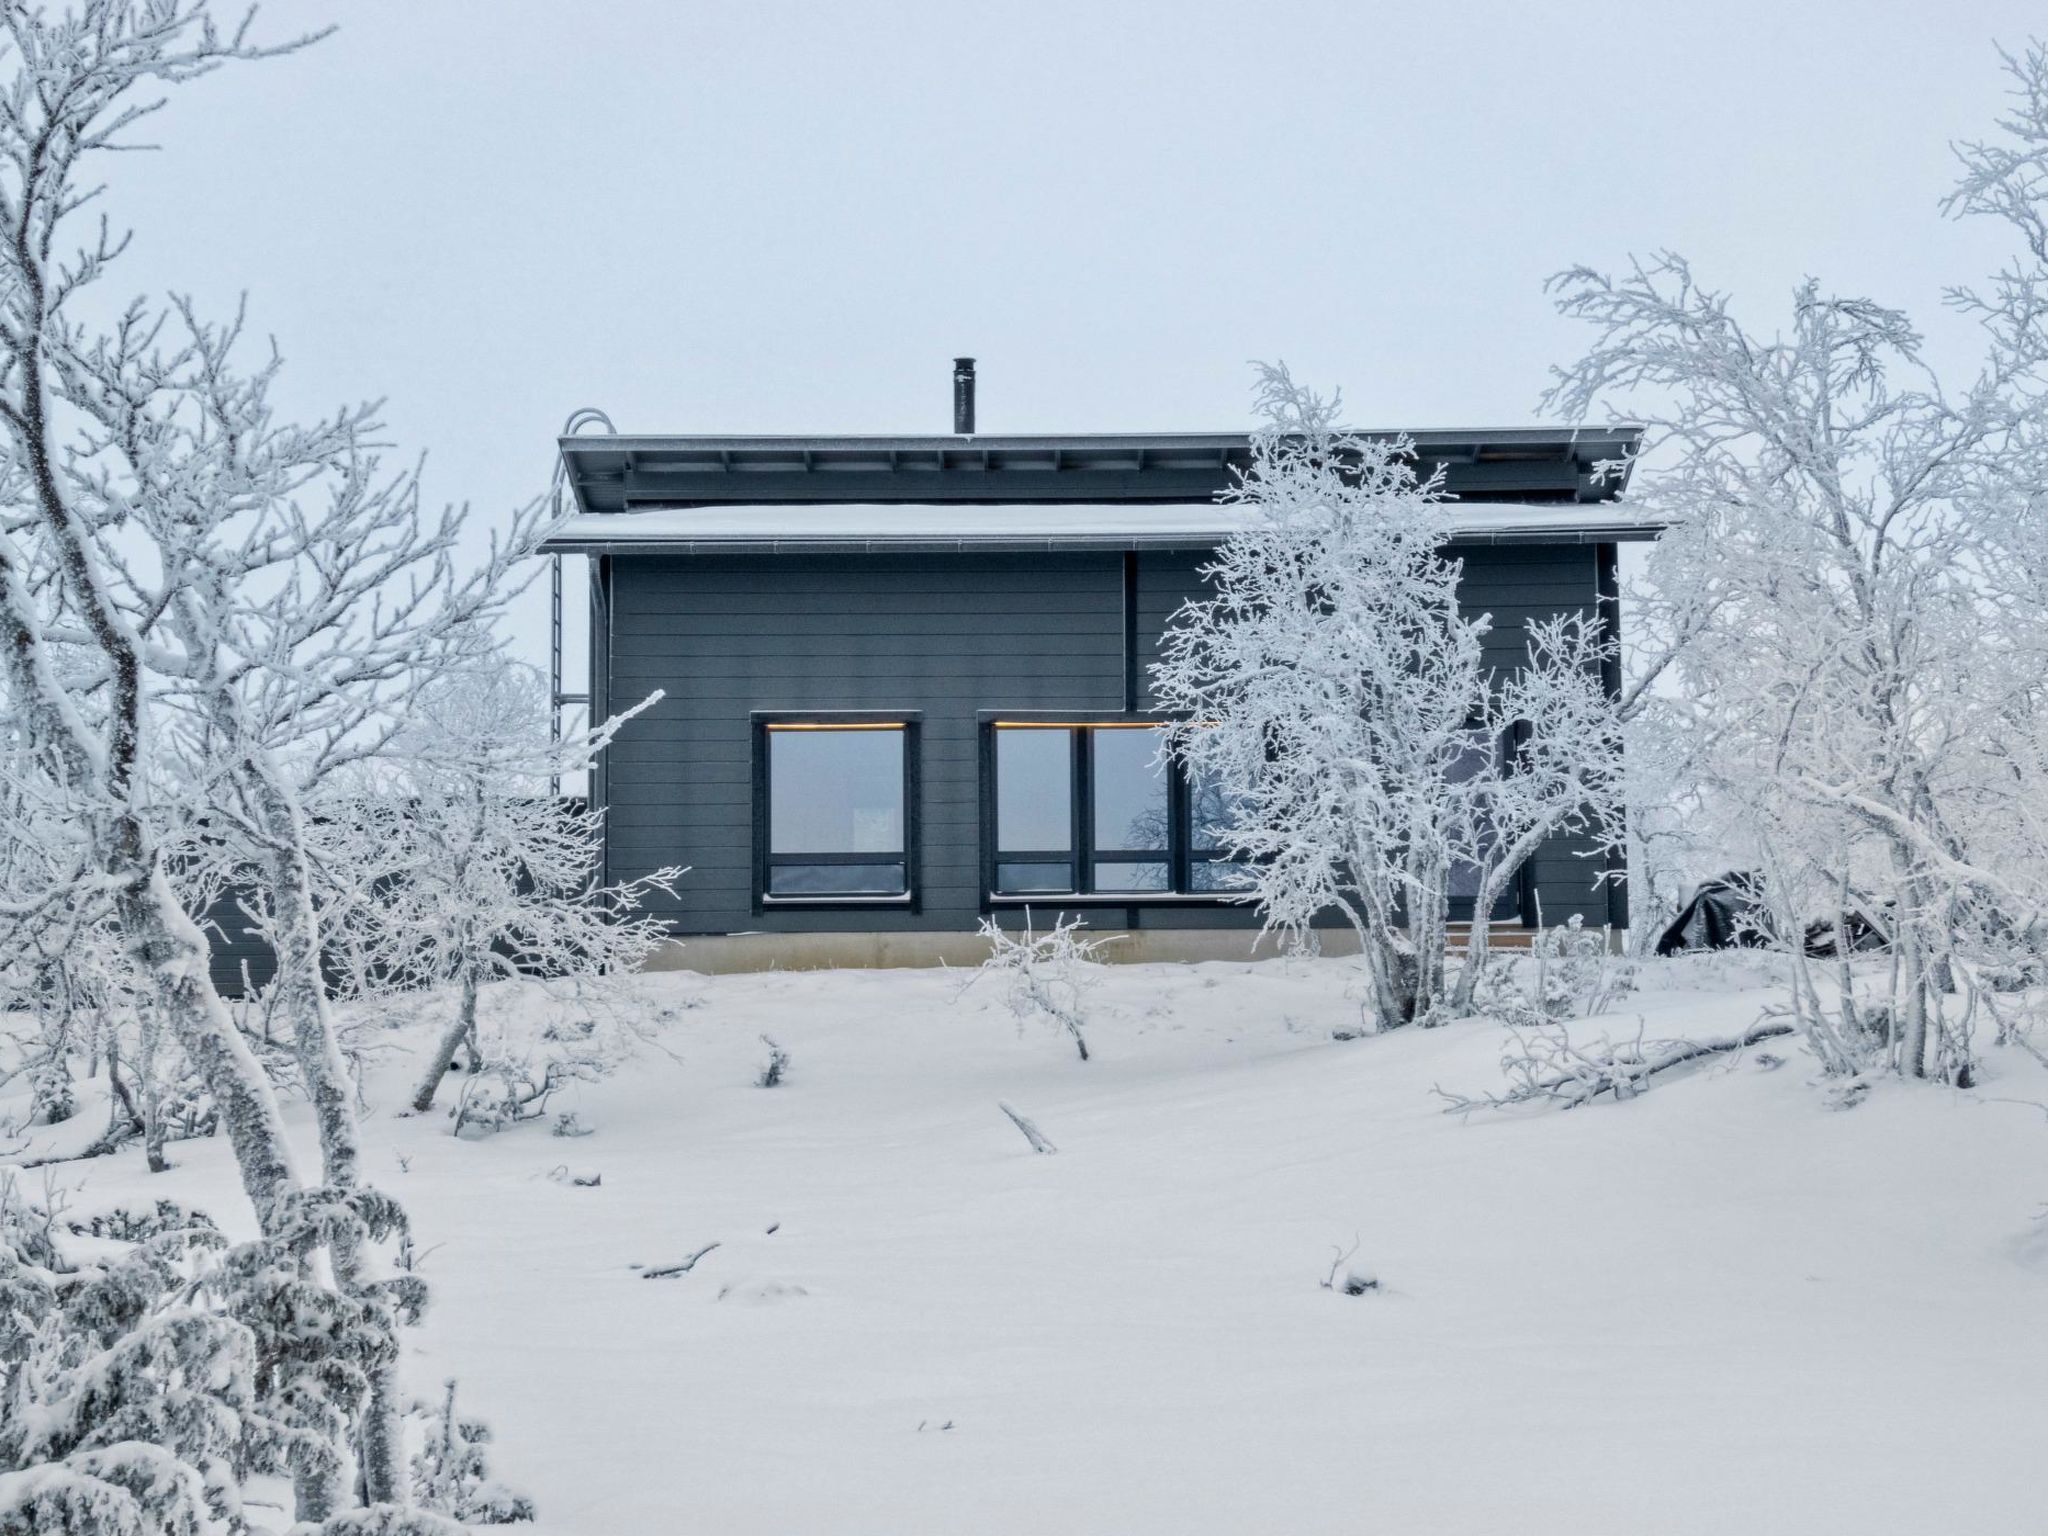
146 1378
1564 775
471 869
326 599
77 644
1341 705
1851 611
202 610
123 1410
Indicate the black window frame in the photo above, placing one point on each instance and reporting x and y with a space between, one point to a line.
1515 901
910 723
1082 858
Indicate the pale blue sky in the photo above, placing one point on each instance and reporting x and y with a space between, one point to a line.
788 217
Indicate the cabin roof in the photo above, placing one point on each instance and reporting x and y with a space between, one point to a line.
609 474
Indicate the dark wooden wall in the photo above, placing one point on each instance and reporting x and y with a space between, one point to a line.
946 636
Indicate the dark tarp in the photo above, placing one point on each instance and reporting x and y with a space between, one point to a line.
1728 912
1724 912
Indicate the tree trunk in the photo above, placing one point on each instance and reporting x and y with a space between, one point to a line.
173 952
1477 942
149 1079
303 996
463 1028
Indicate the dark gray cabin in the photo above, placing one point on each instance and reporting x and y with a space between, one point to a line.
905 679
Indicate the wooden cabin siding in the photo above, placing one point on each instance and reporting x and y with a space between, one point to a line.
943 636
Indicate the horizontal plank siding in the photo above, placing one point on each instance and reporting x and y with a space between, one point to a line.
942 636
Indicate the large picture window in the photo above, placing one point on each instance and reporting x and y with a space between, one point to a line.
834 809
1094 810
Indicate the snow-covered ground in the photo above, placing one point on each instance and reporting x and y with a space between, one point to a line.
1724 1306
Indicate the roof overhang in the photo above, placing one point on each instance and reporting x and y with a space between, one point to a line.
879 527
613 473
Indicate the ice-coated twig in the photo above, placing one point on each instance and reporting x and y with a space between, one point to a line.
1040 1142
668 1271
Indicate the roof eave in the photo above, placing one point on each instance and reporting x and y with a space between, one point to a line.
618 473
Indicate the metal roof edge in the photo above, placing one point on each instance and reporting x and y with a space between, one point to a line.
1617 533
631 442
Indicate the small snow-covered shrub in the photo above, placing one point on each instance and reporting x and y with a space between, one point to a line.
131 1226
515 1088
1045 975
128 1411
1570 972
545 1036
385 1520
317 1349
777 1067
450 1472
1346 1279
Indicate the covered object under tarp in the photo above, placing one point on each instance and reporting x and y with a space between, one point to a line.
1724 913
1728 912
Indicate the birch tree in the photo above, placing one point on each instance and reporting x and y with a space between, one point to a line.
307 599
480 872
1850 607
75 645
192 592
1343 705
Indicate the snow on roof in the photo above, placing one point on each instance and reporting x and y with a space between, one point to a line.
1026 526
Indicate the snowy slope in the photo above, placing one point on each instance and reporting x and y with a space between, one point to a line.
1721 1307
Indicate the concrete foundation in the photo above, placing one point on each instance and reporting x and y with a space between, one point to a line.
718 954
725 953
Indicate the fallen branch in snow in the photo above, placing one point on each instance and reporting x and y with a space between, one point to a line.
667 1271
1038 1139
1544 1064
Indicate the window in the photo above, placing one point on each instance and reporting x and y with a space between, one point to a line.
1035 810
1211 812
834 809
1479 751
1131 842
1092 809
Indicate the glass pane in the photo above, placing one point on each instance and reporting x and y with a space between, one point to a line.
1130 877
1034 789
1212 811
1130 791
1218 875
835 791
835 880
1026 879
1476 753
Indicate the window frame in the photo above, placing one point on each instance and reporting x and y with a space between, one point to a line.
910 723
1516 904
1082 859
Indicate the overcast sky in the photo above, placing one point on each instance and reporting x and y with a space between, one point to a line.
765 217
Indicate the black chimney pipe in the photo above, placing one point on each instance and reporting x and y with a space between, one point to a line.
963 396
